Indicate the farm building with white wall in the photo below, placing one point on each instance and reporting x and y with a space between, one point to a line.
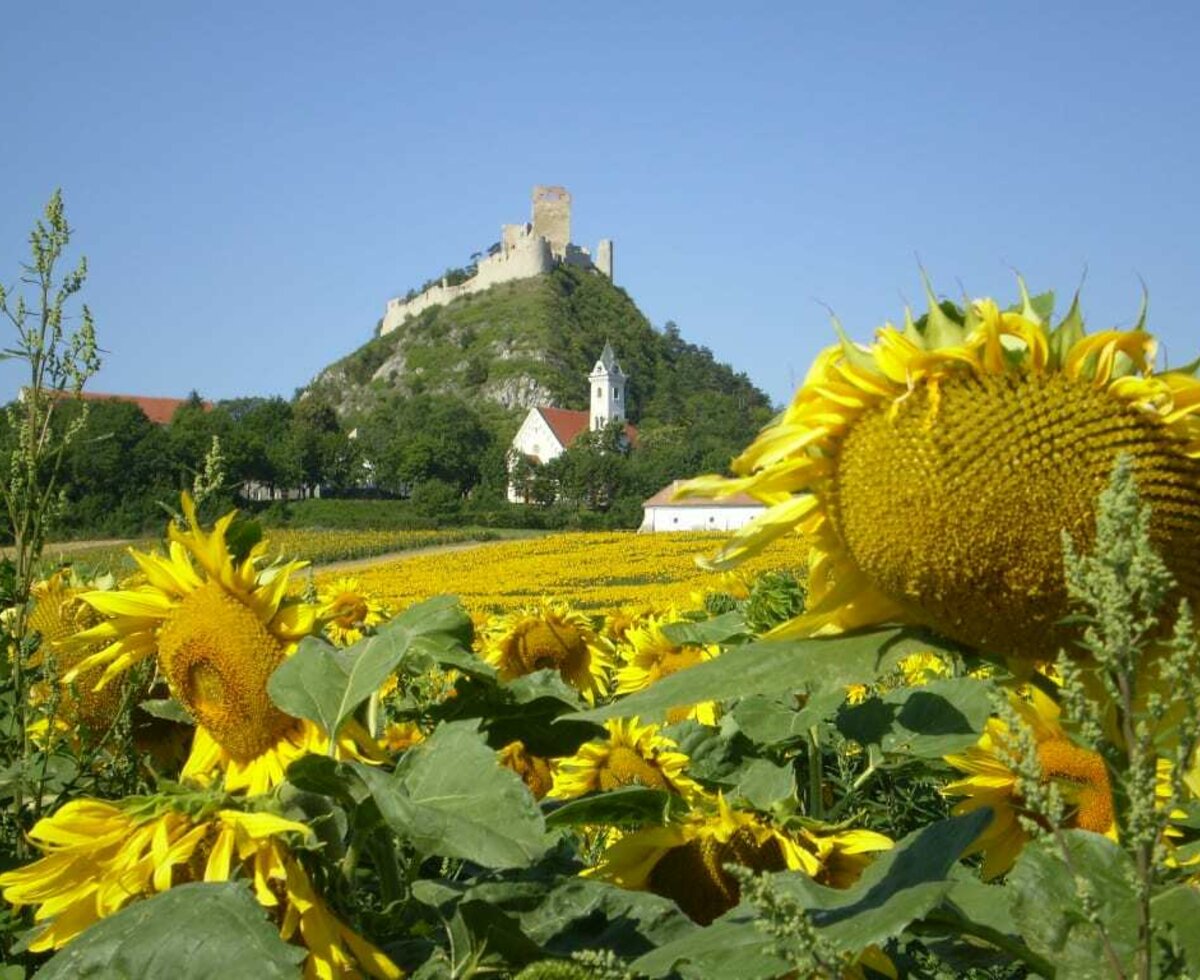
664 514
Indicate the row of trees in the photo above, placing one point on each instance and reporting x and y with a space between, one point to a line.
121 466
437 449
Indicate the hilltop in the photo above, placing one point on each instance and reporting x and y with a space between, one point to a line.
532 342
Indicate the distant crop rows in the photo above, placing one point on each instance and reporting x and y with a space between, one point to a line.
315 545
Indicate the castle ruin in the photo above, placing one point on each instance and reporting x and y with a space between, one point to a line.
524 251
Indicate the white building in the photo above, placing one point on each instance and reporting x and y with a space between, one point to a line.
662 513
548 431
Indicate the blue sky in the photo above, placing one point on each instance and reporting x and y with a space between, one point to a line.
251 182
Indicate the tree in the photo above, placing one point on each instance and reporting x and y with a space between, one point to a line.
112 473
190 436
593 470
426 437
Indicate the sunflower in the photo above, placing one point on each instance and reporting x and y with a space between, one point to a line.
535 771
59 613
550 635
937 470
218 627
99 856
648 655
632 755
400 736
686 861
346 612
620 621
1080 775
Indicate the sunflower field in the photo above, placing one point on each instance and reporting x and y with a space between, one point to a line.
934 714
595 571
317 545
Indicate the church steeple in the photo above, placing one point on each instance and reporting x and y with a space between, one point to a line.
607 382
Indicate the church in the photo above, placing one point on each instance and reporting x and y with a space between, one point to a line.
548 431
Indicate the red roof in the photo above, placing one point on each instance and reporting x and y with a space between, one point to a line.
568 424
158 410
665 497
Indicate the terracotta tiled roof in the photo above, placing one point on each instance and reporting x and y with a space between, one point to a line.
569 424
158 410
663 498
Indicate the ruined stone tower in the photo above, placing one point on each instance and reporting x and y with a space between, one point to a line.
524 251
552 217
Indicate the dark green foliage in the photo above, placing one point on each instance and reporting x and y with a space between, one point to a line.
556 970
410 441
122 468
114 472
192 931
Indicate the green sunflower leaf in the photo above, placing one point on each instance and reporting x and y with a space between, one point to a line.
168 709
1050 911
775 721
539 709
763 783
449 797
191 932
326 685
719 629
926 722
581 913
1179 908
772 667
629 806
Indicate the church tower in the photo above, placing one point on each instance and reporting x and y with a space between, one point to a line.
608 390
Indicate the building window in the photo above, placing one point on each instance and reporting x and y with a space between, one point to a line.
617 395
599 393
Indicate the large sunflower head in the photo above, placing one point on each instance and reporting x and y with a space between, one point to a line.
937 470
631 755
218 626
990 779
549 636
648 655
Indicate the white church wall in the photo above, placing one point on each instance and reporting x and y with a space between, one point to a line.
665 517
536 439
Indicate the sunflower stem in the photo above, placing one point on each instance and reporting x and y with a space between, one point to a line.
816 796
383 855
350 860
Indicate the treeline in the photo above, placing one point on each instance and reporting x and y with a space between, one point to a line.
122 467
438 454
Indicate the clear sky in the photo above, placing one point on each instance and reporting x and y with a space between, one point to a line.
251 182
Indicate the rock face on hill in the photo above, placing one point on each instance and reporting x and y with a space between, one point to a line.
532 343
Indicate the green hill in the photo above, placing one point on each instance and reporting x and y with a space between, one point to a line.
533 342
